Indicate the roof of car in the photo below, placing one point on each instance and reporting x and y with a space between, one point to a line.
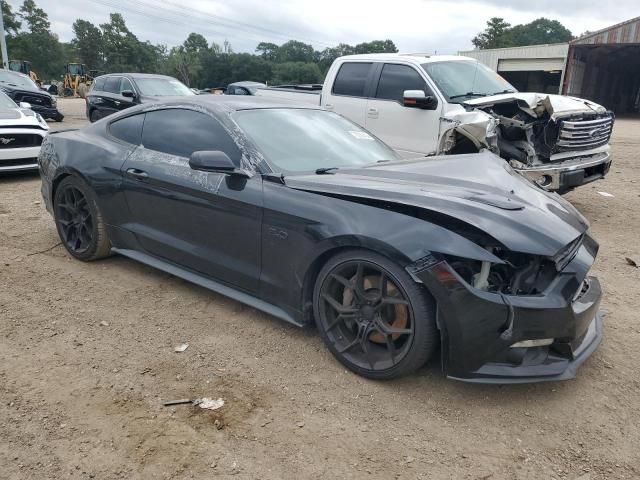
246 83
136 75
414 57
232 103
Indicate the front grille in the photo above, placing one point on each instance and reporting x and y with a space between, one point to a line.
19 140
584 134
35 100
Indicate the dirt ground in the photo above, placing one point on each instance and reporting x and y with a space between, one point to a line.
87 359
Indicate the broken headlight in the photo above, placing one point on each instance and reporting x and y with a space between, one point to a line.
520 274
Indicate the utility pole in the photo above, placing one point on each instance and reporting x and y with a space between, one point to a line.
3 42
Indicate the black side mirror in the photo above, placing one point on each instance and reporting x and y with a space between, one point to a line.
128 93
213 161
418 99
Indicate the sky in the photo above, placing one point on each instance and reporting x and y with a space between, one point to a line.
424 26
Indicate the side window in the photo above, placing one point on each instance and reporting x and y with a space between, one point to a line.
125 84
395 79
98 85
128 129
182 132
352 79
112 85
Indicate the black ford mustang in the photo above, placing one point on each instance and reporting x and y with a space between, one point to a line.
304 215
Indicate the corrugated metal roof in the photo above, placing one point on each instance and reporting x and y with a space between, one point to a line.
625 32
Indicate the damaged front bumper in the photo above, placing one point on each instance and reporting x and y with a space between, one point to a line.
496 338
563 176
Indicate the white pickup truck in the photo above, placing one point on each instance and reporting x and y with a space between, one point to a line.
432 105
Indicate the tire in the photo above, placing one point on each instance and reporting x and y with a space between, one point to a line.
374 318
59 117
79 221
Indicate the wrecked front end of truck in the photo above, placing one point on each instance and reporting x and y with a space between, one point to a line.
557 142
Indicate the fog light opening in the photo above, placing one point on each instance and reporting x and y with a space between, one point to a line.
544 180
533 343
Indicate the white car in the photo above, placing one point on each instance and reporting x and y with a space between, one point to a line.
21 134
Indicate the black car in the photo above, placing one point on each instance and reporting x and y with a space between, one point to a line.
117 91
304 215
20 88
243 88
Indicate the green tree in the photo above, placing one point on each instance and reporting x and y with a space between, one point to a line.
376 46
11 23
496 35
295 51
296 72
268 51
88 43
36 19
329 54
538 32
195 43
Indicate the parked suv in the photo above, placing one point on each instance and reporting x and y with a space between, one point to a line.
117 91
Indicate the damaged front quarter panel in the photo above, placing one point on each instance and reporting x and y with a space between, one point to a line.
474 126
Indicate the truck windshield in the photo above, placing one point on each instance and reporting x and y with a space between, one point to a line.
461 80
306 140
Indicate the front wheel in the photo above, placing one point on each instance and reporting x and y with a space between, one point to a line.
373 316
79 221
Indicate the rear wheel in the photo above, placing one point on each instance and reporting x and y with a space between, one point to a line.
79 221
373 316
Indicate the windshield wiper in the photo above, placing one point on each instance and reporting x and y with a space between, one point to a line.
468 94
503 91
325 170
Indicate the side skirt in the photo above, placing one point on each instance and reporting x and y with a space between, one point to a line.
207 283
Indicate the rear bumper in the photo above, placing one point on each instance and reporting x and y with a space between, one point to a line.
566 175
480 330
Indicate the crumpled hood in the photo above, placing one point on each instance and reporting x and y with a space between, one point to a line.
479 189
537 103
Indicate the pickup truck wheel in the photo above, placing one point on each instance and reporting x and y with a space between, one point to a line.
79 221
373 316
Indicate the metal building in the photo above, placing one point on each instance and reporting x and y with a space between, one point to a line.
604 66
535 68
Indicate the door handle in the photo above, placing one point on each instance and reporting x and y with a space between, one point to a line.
372 112
138 174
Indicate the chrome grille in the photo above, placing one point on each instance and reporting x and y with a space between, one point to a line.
584 134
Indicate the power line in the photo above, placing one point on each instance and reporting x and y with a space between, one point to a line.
142 9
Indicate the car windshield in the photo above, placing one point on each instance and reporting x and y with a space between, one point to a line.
461 80
6 102
160 87
305 140
17 80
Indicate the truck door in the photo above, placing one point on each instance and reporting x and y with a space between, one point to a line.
348 94
410 131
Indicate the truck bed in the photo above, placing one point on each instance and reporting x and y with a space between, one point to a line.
309 94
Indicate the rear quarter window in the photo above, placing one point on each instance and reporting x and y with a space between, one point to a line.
128 129
351 79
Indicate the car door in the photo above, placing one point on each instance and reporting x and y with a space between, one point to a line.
123 102
207 222
410 131
110 96
348 95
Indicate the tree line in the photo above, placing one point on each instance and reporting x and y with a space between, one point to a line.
500 34
113 47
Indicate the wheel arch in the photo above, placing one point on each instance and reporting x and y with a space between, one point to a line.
309 272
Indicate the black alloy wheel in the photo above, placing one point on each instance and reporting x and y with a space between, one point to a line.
374 318
79 222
